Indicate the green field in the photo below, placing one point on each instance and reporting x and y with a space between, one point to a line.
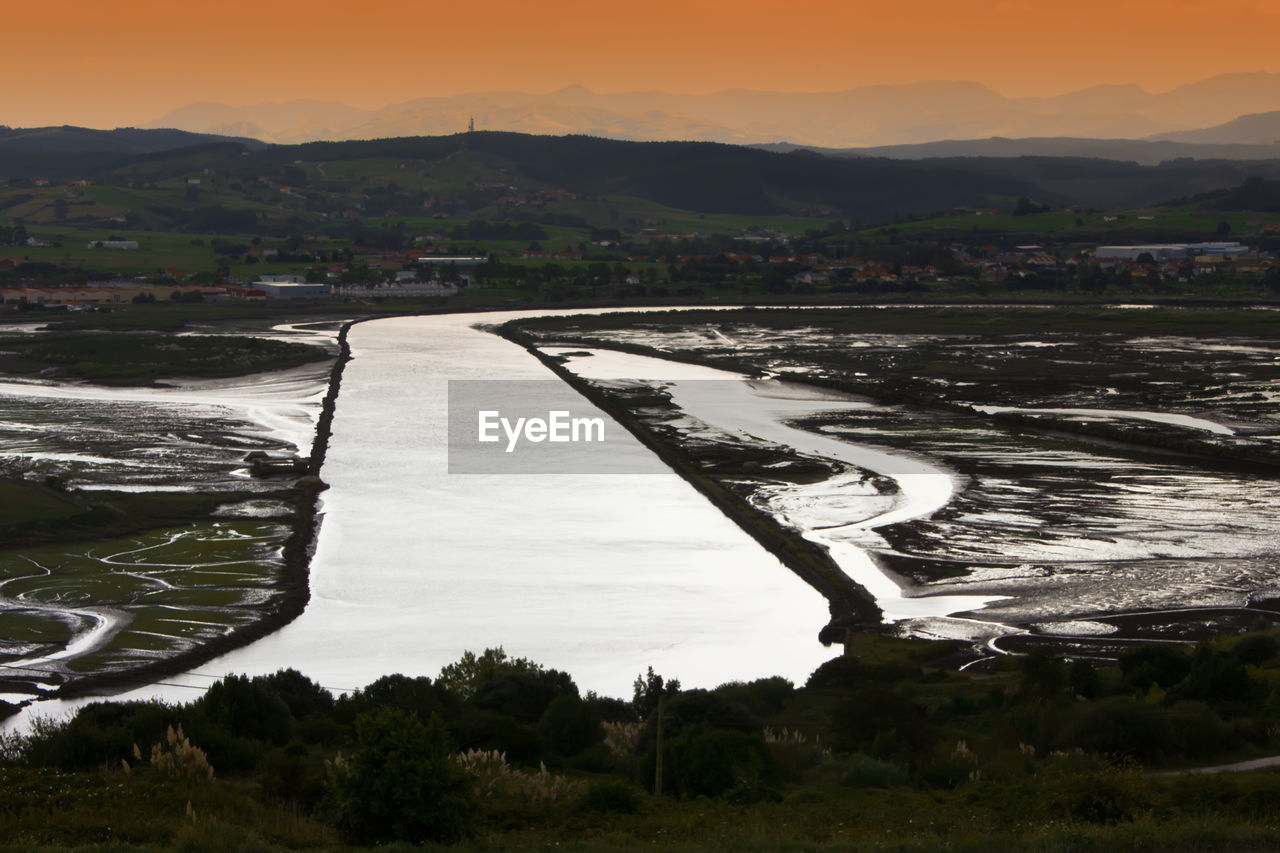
24 503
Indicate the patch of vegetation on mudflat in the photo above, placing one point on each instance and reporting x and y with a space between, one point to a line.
98 514
141 359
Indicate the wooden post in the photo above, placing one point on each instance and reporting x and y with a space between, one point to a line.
657 772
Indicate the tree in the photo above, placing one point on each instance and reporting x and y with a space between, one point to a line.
570 726
402 783
247 707
464 677
648 689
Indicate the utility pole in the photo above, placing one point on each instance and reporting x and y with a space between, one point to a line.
657 771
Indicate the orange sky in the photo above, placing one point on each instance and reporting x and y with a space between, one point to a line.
128 61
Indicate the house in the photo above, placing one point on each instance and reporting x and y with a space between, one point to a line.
293 290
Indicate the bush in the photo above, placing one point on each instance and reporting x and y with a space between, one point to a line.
1118 726
882 721
702 707
292 774
1256 649
763 697
569 726
707 762
1161 664
1216 677
416 695
523 695
610 797
100 733
301 695
1108 796
487 731
1084 680
1043 673
247 708
867 772
402 784
843 672
1197 730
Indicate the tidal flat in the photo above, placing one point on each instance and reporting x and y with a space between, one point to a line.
133 531
1113 472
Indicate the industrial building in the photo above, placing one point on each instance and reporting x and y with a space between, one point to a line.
1171 251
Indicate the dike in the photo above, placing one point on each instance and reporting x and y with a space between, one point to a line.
852 608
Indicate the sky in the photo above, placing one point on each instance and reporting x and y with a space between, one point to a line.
129 61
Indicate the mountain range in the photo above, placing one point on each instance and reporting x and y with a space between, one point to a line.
1239 108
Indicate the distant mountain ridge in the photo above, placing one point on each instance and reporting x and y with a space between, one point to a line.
1142 151
871 116
290 187
1253 129
122 140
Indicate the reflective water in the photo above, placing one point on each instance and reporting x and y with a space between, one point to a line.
599 575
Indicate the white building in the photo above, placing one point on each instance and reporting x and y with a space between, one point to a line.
1171 251
461 261
293 290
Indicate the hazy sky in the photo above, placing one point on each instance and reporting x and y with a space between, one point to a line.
129 61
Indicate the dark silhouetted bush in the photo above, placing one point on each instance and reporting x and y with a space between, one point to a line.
402 783
1160 664
569 726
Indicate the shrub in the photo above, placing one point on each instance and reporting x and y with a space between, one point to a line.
402 783
292 774
487 731
622 739
177 759
523 695
416 695
1107 796
1256 649
1161 664
867 772
100 733
1084 680
882 721
569 726
707 762
702 707
1043 673
843 672
1118 726
610 797
301 695
762 697
1216 677
247 708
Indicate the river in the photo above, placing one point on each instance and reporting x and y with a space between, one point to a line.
600 575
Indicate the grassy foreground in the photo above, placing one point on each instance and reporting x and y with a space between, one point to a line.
876 751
